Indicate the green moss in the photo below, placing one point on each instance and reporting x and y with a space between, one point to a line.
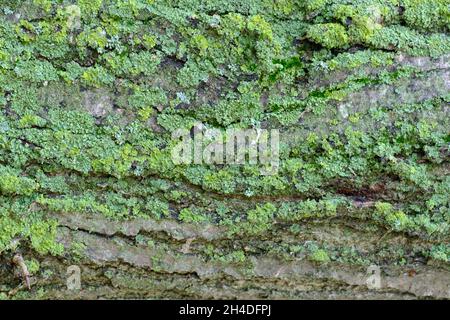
314 5
97 77
221 181
258 221
92 38
89 7
329 35
12 183
395 219
158 208
42 236
46 5
427 15
319 256
77 250
259 25
37 71
187 215
33 266
440 252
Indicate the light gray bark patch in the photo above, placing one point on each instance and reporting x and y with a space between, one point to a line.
98 102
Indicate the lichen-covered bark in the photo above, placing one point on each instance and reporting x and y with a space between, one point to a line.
91 91
115 266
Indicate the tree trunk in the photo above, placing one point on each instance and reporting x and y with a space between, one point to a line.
357 209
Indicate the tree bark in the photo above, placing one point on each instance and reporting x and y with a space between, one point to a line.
143 257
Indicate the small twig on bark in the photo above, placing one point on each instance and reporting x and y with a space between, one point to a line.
18 261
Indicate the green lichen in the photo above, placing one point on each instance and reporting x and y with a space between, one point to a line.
330 35
319 256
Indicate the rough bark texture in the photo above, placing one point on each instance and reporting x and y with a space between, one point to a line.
92 90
